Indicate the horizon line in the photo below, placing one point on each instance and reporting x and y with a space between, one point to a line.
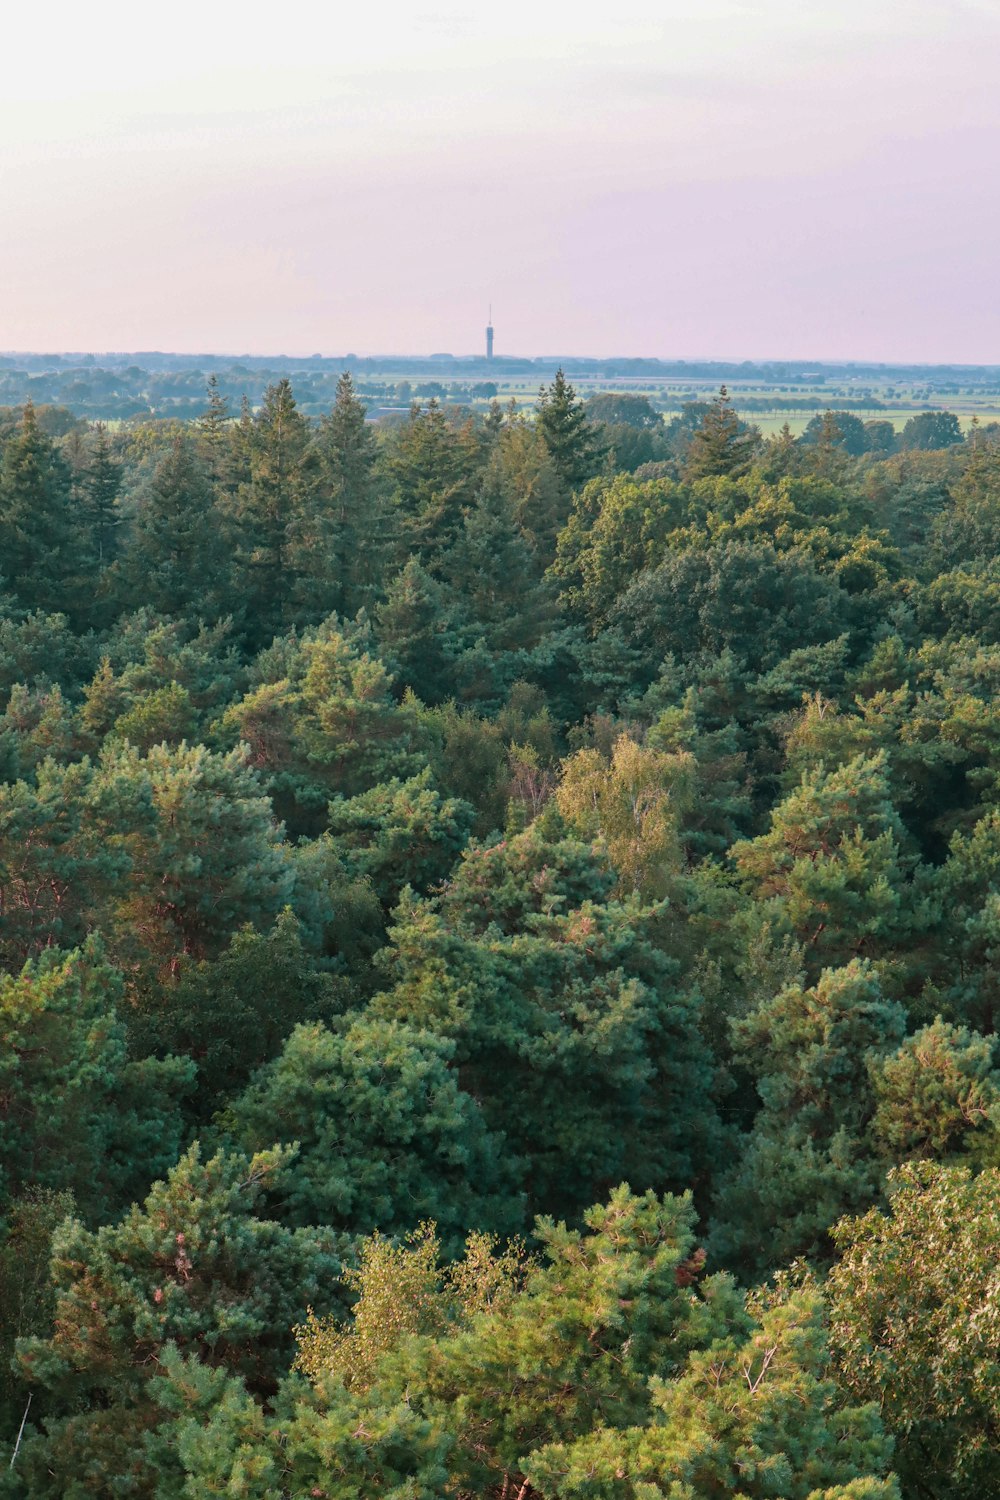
498 359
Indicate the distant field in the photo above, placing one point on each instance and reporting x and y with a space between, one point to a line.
798 421
896 405
169 387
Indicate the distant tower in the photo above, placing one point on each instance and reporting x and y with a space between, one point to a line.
489 335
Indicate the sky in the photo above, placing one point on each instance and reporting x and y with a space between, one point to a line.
674 178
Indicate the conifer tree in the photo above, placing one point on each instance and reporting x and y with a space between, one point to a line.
419 632
720 446
551 990
102 484
387 1137
79 1116
571 441
37 536
194 1279
610 1368
269 508
349 515
494 575
177 557
214 421
433 468
812 1053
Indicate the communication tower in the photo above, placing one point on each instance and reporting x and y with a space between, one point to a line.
489 335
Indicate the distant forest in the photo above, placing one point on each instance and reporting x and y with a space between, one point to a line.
499 940
113 387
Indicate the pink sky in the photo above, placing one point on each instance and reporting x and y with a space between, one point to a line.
732 178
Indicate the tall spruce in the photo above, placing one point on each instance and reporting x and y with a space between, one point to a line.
37 536
721 446
434 467
268 509
345 535
574 450
101 485
177 560
213 426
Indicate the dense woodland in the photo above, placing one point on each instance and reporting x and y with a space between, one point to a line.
500 924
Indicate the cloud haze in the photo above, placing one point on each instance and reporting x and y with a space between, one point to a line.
714 178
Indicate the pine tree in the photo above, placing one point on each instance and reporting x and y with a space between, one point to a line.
213 427
720 446
419 632
494 575
349 515
177 559
268 510
79 1116
205 856
387 1137
552 991
194 1290
571 441
101 486
808 1160
434 470
37 535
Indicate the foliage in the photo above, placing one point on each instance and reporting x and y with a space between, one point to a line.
385 1134
488 805
193 1271
914 1324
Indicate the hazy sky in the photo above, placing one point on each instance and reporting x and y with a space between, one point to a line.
740 178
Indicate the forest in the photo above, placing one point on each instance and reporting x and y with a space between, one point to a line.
499 954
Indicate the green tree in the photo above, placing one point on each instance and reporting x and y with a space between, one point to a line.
755 1414
549 990
57 871
618 528
744 596
195 1276
203 853
269 510
721 445
831 870
177 558
231 1015
914 1321
323 722
938 1094
37 723
615 1370
101 486
810 1052
38 539
494 575
571 443
419 632
386 1135
400 833
78 1115
837 430
574 453
931 429
352 518
214 424
433 468
27 1302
